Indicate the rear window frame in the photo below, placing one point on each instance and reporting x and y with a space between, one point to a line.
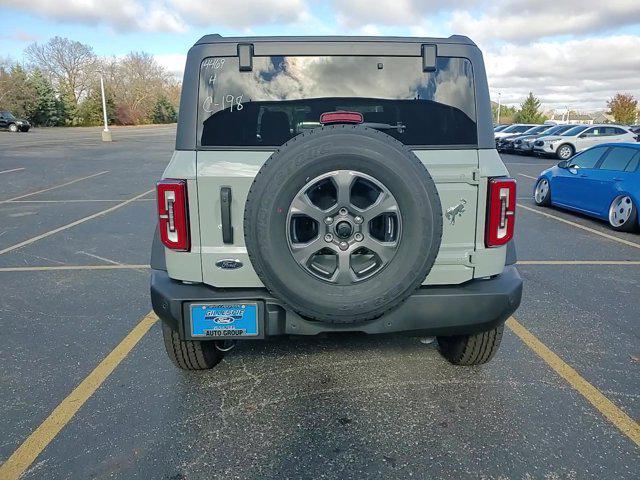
269 148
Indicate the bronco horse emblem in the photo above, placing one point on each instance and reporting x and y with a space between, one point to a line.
457 211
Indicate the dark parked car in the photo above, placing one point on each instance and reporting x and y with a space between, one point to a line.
13 124
507 144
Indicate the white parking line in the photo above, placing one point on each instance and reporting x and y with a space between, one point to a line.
528 176
12 170
106 260
79 200
582 227
72 224
54 187
578 262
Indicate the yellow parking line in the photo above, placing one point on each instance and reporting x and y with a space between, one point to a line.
26 453
606 407
54 187
528 176
12 170
74 267
577 225
578 262
72 224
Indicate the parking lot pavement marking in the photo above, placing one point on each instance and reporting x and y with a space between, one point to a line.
606 407
54 187
119 266
528 176
73 224
35 443
12 170
578 262
90 200
97 257
583 227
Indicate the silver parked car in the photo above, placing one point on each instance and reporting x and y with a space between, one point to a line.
514 129
524 143
580 138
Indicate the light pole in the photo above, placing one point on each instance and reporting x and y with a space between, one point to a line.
106 134
498 119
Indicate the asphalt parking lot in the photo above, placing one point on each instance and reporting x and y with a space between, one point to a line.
89 393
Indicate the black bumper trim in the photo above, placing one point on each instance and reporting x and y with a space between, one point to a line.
472 307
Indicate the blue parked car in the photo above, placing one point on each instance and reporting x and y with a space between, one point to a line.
602 182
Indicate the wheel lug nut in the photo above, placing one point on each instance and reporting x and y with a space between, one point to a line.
328 220
343 211
358 219
344 245
328 238
359 237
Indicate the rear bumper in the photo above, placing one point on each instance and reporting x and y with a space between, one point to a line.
472 307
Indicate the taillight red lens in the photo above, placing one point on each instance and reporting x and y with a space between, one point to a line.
173 218
501 209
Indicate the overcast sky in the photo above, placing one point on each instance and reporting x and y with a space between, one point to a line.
570 53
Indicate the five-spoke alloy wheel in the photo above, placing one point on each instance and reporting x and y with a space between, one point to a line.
623 214
542 192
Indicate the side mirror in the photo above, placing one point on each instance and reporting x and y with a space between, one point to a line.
563 164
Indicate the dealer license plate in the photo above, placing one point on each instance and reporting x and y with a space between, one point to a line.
228 320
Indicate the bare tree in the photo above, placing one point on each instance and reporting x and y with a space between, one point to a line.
68 64
140 82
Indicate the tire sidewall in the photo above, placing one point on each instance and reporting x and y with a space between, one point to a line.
324 150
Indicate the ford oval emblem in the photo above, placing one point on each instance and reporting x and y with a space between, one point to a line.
229 264
224 320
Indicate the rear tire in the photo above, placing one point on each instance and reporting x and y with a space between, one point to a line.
190 354
542 193
13 128
470 350
623 214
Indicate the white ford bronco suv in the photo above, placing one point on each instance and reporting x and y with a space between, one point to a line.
334 184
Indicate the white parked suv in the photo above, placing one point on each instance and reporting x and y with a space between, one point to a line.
581 137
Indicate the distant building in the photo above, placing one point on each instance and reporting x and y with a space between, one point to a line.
572 118
602 117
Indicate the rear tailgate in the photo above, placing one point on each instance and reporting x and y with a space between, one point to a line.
454 171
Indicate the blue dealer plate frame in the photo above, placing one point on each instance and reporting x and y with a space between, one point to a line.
225 320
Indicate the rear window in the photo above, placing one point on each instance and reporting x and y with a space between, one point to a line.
283 96
618 158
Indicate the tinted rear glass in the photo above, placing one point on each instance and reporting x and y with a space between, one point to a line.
618 158
283 96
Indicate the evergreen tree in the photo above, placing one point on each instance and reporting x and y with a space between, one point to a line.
22 96
164 111
45 110
530 111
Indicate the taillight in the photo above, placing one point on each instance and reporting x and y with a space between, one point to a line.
501 211
173 218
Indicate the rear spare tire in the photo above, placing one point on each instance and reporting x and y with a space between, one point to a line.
342 223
